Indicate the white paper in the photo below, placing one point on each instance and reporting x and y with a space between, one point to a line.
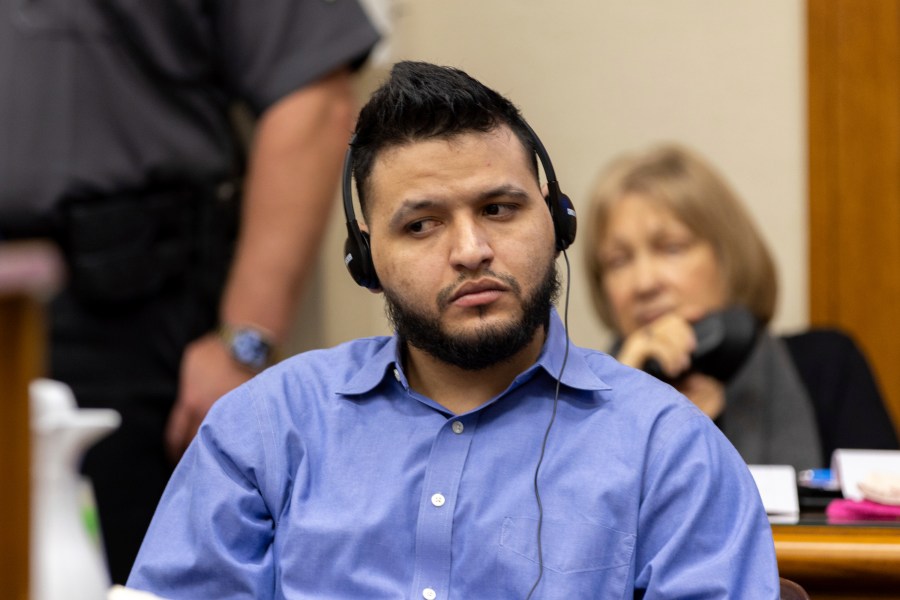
117 592
777 486
851 466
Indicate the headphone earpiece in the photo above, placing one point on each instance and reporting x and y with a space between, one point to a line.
565 221
358 257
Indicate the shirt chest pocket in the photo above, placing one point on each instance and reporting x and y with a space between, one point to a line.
568 546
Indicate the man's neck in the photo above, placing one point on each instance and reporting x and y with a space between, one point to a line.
461 390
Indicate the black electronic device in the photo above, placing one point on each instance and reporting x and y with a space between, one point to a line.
724 342
357 251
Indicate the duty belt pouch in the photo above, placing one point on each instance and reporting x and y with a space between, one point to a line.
126 247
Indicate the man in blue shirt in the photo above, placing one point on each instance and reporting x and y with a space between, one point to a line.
477 453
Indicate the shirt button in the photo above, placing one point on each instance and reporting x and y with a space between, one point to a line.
457 427
438 500
429 594
396 374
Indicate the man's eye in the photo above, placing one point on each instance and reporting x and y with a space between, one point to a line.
421 226
498 210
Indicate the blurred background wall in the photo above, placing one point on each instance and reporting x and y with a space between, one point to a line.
599 77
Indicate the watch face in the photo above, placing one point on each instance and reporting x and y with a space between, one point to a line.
249 348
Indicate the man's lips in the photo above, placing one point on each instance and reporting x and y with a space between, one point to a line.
478 293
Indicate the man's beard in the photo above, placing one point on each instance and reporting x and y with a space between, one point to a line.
487 345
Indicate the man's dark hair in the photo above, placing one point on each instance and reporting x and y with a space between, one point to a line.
423 101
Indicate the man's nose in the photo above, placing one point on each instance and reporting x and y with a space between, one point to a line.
471 249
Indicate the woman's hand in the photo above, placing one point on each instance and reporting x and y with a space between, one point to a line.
669 340
704 391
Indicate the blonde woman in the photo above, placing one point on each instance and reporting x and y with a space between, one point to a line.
669 243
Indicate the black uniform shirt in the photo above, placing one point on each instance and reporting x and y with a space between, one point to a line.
106 96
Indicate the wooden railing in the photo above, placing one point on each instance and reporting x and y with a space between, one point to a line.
29 272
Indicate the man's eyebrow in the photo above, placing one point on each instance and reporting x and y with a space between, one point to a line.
504 190
407 207
411 206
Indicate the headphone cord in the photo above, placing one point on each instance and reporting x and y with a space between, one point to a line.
537 493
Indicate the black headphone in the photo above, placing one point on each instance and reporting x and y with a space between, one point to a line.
357 251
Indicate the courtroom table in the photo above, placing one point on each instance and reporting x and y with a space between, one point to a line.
859 560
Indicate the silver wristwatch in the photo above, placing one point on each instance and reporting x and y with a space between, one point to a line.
248 346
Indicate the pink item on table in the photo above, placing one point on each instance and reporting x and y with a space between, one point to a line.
862 510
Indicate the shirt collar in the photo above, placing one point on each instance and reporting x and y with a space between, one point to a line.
577 373
374 369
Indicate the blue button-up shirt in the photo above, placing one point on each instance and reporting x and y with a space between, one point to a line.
327 476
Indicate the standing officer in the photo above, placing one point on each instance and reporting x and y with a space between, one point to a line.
116 141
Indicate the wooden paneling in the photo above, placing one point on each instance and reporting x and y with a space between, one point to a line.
854 177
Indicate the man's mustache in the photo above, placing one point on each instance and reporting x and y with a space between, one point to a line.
444 296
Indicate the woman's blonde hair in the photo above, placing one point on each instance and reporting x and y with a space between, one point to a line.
683 182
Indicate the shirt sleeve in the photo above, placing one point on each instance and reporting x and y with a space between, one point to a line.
703 532
211 536
270 49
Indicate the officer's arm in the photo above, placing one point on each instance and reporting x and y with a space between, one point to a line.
294 168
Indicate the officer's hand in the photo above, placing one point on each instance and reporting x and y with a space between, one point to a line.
207 373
